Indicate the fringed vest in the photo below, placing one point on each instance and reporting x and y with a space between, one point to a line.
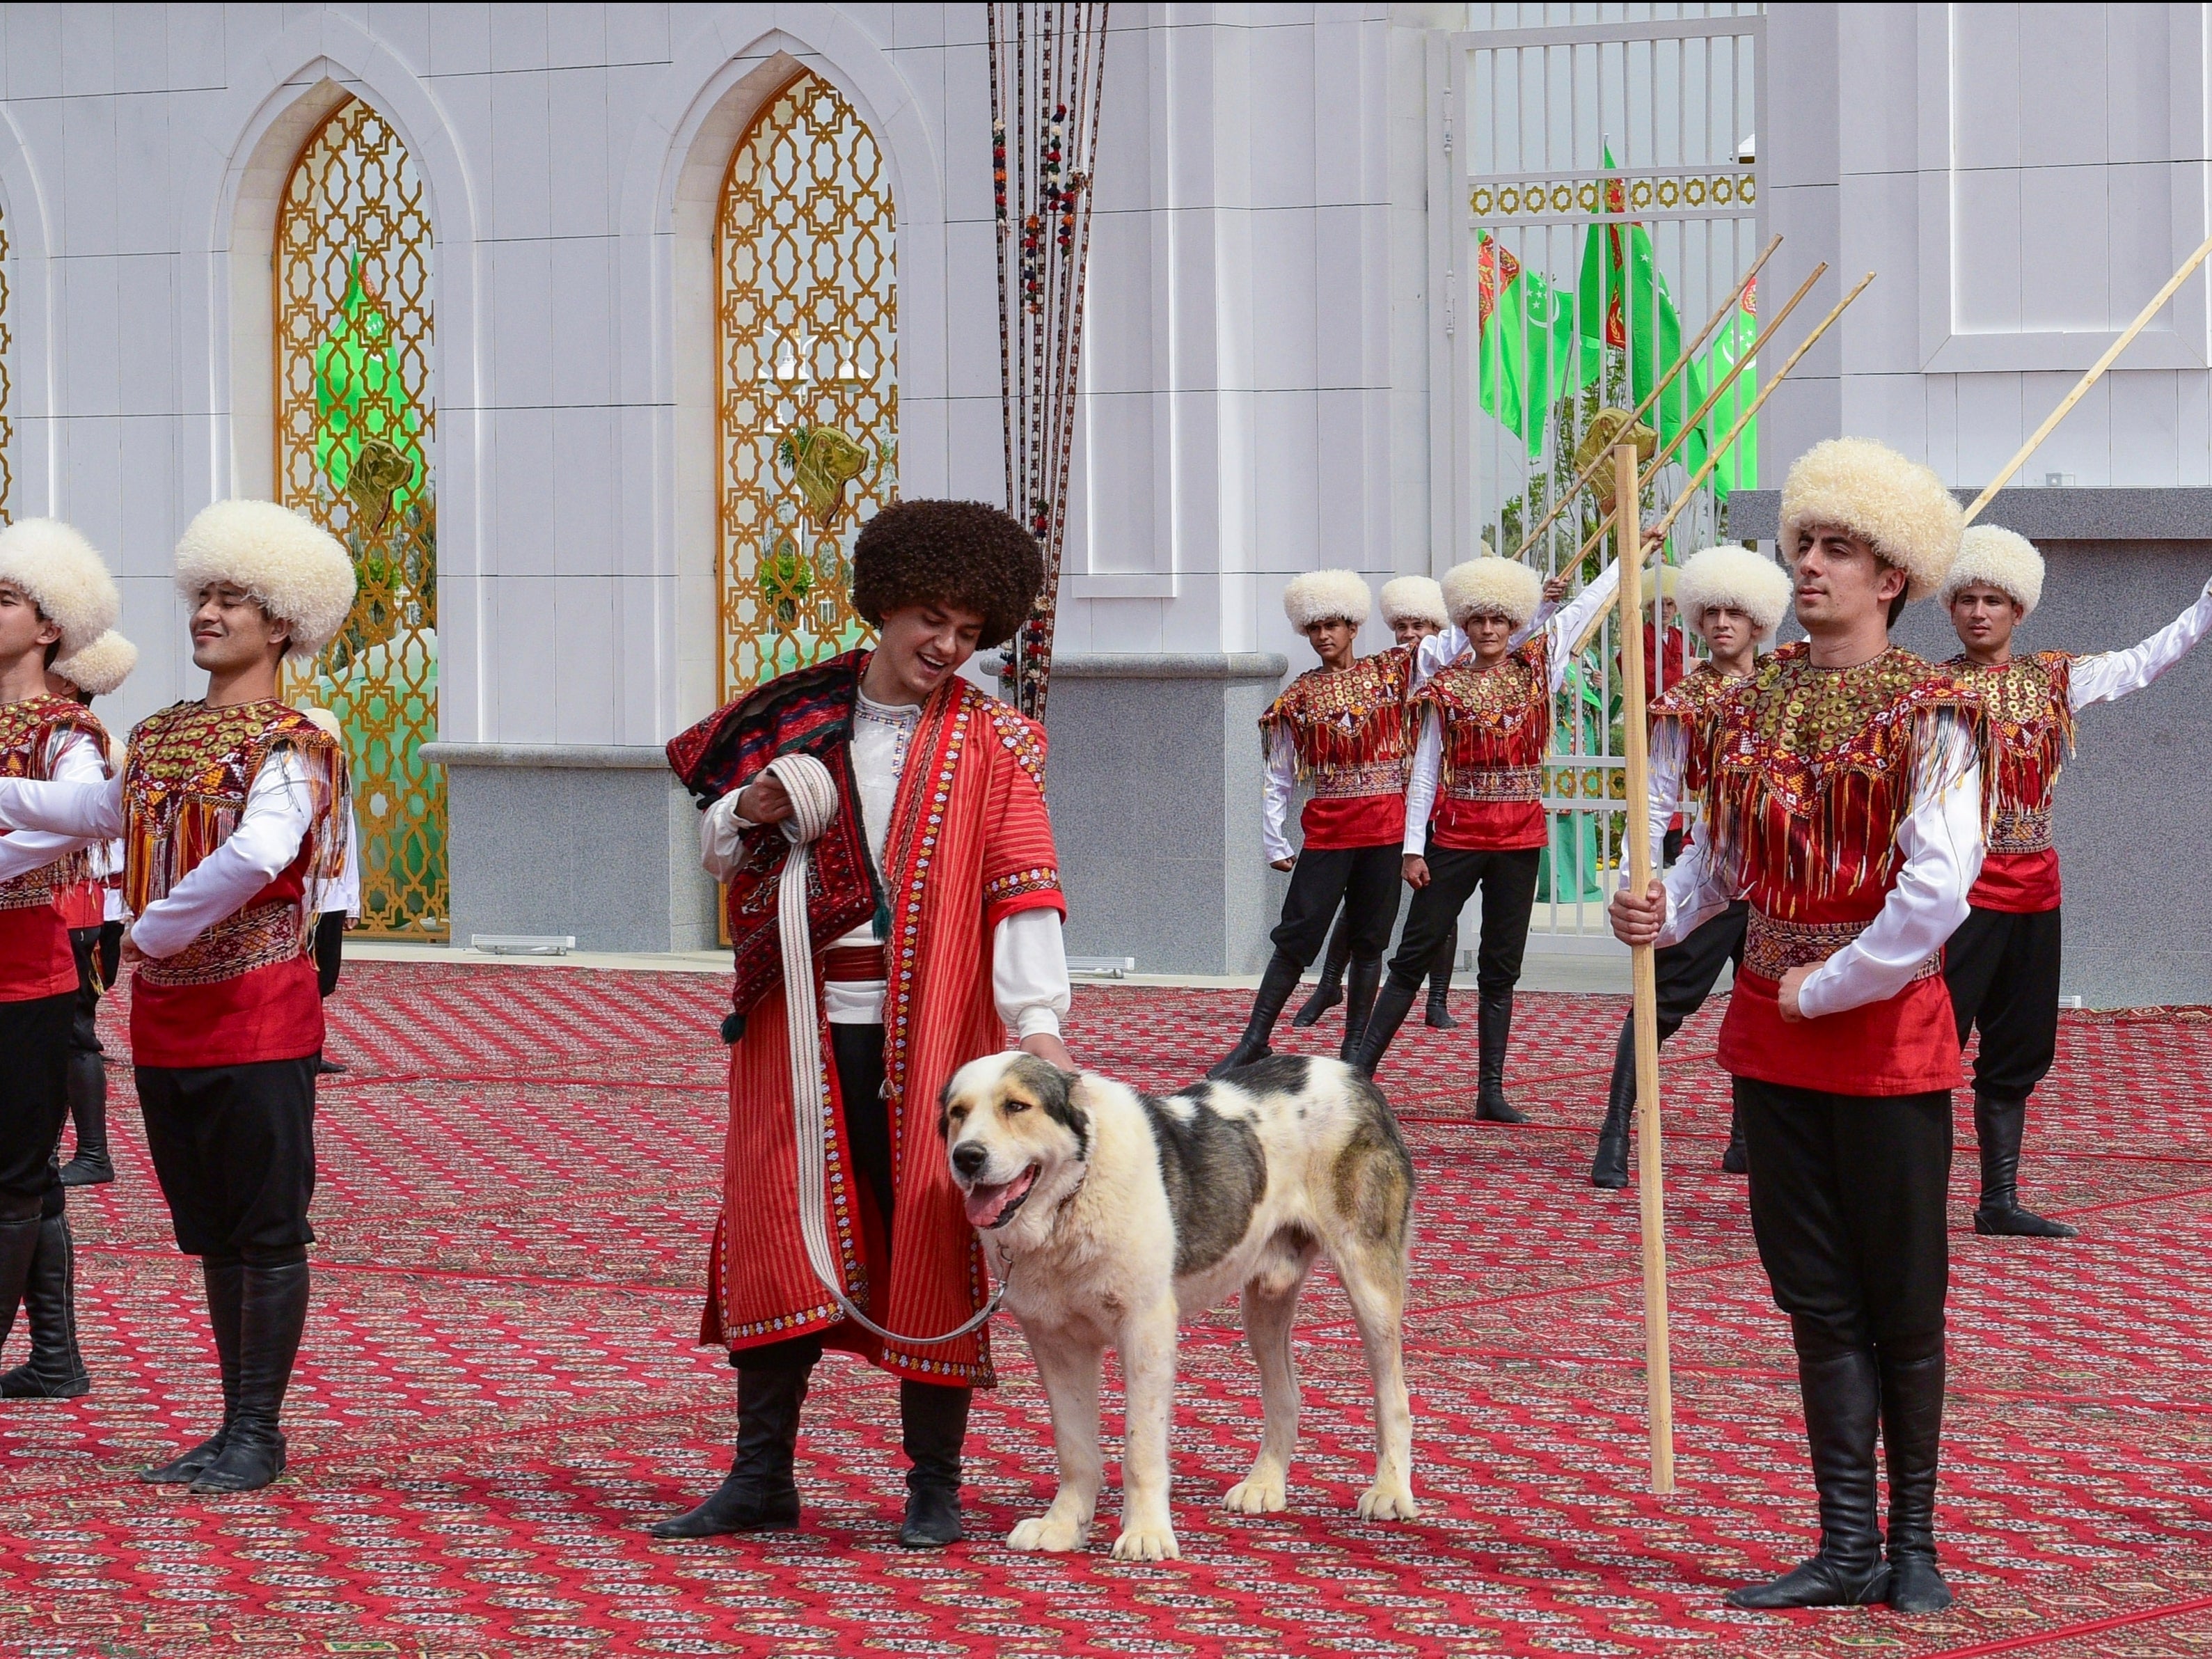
2028 713
244 991
1496 726
1353 746
35 908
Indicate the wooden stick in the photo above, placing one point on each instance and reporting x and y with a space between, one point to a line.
2082 386
1705 408
1656 536
1681 361
1650 1179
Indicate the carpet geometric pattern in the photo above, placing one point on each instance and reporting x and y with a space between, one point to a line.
498 1389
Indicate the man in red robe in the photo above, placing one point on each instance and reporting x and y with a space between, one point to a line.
934 909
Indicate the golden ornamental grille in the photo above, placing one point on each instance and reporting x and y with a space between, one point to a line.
807 407
355 416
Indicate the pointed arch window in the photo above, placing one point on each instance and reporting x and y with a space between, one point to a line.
355 414
808 400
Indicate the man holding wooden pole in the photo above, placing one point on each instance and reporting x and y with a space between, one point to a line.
1843 798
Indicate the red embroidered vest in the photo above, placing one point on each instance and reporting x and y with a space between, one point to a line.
1808 775
35 958
244 991
1691 700
2028 724
1497 727
1353 747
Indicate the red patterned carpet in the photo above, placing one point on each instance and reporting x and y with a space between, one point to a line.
498 1390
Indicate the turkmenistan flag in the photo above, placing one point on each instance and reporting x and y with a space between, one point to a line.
1622 301
1526 358
1728 363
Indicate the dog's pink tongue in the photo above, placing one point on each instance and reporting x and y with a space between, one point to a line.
986 1204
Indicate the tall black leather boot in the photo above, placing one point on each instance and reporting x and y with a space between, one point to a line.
90 1166
1275 987
1998 1126
1330 991
1736 1160
1439 1015
224 1278
1609 1169
1362 980
1842 1411
1392 1004
1912 1435
934 1421
758 1494
1494 1030
272 1311
19 1247
55 1370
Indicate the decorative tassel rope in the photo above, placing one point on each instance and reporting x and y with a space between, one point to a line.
813 794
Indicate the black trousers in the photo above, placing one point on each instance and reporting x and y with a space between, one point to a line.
234 1149
91 984
35 1049
1687 972
1508 881
1847 1195
2002 970
1364 880
110 951
858 1052
329 949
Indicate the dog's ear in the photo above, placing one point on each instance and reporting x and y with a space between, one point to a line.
1062 1107
944 1107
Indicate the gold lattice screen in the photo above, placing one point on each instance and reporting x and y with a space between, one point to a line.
807 414
355 416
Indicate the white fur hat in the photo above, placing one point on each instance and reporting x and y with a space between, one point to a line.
1737 577
101 666
288 562
1490 587
1873 491
322 720
2004 559
62 571
1414 598
1320 596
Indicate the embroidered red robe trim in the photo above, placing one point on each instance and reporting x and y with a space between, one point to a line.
2029 727
35 910
1496 727
1348 729
970 843
1693 700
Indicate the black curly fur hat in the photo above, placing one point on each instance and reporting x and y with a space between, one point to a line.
961 553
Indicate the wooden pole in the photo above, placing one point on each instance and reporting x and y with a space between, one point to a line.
1681 361
1658 1373
2082 386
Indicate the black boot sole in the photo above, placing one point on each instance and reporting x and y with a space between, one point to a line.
2020 1224
1311 1015
1734 1162
697 1523
1501 1113
1437 1019
76 1173
22 1383
1610 1174
1815 1585
1916 1586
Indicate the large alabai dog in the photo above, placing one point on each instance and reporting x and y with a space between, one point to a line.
1108 1213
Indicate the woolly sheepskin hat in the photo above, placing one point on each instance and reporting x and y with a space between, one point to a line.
324 722
1873 491
1736 577
2004 559
1320 596
101 666
61 571
291 564
1490 586
1414 598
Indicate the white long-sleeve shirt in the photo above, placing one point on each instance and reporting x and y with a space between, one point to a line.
279 813
71 757
1939 844
341 891
2107 676
1029 958
1561 629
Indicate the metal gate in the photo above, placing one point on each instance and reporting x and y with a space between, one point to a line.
1604 200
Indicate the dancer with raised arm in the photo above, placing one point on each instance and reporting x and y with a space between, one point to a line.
1843 798
229 808
1732 599
55 600
1486 725
935 911
2003 964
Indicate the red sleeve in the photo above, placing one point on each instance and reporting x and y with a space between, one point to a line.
1021 868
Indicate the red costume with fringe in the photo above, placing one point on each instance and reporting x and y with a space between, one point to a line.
2029 705
1354 748
970 843
1496 726
38 909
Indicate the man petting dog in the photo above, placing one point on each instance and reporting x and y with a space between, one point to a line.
1843 797
935 909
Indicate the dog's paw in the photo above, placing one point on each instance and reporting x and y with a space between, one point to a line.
1257 1493
1394 1502
1147 1544
1050 1532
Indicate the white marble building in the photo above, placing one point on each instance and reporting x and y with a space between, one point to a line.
1268 367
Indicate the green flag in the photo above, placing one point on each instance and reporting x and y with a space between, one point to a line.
360 394
1622 303
1728 363
1526 356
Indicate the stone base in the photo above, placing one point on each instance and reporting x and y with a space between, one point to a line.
600 843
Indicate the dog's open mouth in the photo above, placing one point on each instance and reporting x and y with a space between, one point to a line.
994 1207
